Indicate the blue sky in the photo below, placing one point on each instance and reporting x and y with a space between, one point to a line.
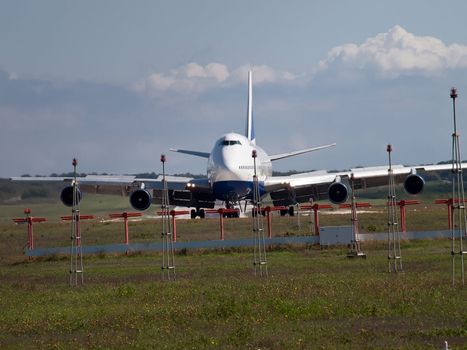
117 83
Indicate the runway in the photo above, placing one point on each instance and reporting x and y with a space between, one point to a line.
219 244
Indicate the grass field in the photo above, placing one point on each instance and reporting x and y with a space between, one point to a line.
312 299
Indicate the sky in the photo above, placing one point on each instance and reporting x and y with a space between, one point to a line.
117 83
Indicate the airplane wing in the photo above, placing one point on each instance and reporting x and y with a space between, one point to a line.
183 191
319 185
192 153
284 190
294 153
109 180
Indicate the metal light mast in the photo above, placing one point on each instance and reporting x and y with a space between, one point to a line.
458 198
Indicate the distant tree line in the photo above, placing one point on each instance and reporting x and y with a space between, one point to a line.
153 175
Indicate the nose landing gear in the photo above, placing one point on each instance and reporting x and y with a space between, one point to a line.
197 213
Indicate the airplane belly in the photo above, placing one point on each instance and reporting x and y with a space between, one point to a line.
234 190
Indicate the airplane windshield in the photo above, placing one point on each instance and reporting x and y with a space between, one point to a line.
230 142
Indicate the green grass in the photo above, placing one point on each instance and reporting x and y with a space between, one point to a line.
312 299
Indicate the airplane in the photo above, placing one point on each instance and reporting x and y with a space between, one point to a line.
230 170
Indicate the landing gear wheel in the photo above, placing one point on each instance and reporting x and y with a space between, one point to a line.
193 214
201 213
291 211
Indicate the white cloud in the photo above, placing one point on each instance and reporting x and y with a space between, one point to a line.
386 55
193 78
261 74
189 78
397 52
216 71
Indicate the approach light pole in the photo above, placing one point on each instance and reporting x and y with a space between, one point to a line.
259 254
458 198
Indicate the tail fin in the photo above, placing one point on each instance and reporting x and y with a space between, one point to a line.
250 130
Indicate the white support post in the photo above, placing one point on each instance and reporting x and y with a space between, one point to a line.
355 248
394 234
259 254
76 254
458 228
168 254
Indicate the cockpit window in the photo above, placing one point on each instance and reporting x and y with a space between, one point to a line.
230 142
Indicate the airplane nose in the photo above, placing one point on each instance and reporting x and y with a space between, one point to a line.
229 160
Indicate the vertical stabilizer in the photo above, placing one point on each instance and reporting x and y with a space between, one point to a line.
250 130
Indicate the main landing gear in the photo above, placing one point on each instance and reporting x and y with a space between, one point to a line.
290 211
235 214
283 212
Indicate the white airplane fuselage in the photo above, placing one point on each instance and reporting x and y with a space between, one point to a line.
231 167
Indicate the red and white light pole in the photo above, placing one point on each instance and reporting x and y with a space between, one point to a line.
402 210
316 208
125 215
30 221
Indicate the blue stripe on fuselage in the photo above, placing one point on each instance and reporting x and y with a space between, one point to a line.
234 190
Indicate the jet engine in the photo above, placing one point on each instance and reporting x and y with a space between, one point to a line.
140 199
66 196
338 192
413 184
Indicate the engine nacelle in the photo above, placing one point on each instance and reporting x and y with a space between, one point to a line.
338 193
66 196
140 199
414 184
